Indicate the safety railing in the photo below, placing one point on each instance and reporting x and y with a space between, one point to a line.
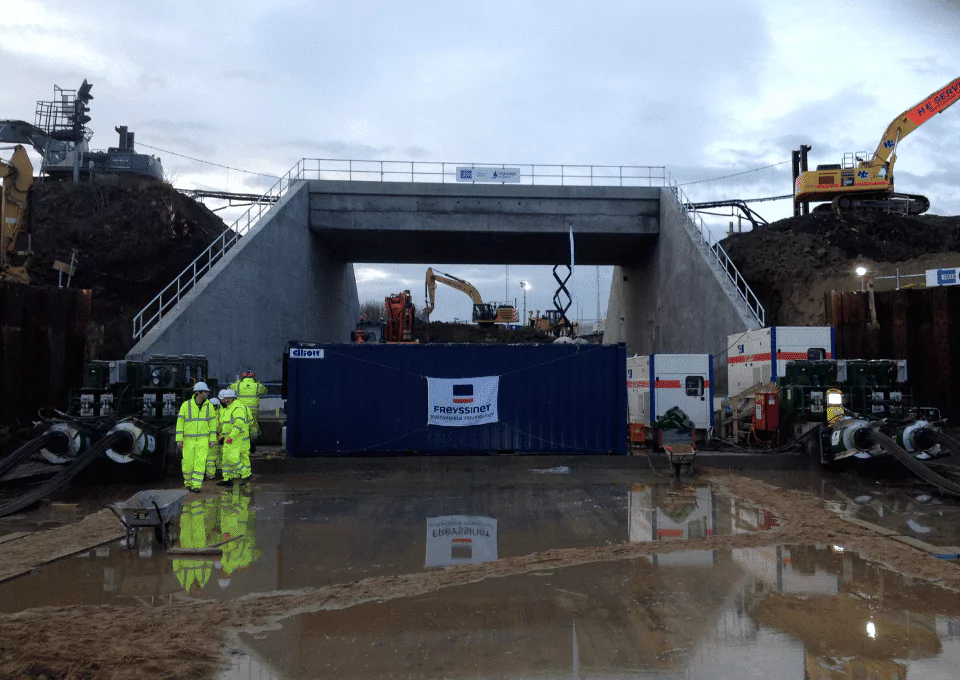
522 173
726 264
168 298
381 171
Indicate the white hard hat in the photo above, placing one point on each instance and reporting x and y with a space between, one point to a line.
228 394
223 582
201 387
217 564
215 401
222 393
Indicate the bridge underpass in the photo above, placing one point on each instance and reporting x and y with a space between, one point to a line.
290 277
392 222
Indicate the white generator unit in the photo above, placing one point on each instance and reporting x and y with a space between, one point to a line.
759 357
658 382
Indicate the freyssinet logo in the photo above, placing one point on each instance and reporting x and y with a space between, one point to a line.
463 394
459 402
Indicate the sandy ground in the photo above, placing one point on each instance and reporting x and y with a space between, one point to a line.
20 556
186 640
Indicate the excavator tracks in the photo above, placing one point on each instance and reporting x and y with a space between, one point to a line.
903 204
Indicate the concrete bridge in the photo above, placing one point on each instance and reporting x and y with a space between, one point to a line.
481 223
290 277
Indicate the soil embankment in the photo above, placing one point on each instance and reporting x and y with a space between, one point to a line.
791 263
130 242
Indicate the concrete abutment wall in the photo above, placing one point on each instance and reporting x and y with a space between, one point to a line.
675 298
279 283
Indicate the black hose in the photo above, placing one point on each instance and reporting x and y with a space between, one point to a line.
926 437
912 464
793 444
71 471
24 452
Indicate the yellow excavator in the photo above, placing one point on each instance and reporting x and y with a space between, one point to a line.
484 313
865 181
17 177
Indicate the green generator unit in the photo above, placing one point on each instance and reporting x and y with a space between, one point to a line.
150 390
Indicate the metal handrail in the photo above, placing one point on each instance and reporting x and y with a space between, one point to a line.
730 269
539 174
170 296
378 171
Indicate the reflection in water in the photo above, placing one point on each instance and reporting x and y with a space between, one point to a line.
461 539
658 512
193 574
211 521
808 620
673 512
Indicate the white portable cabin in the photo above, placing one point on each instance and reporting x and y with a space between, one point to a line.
658 382
750 355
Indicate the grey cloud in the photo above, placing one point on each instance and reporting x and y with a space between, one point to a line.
177 126
152 80
249 75
416 152
338 148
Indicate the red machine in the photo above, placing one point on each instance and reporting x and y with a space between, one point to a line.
400 313
766 417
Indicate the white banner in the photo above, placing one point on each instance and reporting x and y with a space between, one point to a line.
461 539
511 175
458 402
942 277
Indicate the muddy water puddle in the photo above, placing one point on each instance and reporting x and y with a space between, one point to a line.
786 612
904 506
295 535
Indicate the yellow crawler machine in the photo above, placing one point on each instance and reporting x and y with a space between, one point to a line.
866 181
484 313
17 177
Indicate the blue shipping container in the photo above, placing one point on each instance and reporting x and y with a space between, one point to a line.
369 398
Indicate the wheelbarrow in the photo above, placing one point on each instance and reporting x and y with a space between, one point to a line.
680 456
152 509
676 436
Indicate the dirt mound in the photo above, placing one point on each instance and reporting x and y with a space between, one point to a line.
131 241
469 333
791 263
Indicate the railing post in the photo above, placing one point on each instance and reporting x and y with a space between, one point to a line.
621 175
350 169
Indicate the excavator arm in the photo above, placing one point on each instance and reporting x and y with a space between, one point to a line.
868 183
17 177
449 280
911 119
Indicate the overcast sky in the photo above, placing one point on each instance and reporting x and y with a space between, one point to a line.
704 88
